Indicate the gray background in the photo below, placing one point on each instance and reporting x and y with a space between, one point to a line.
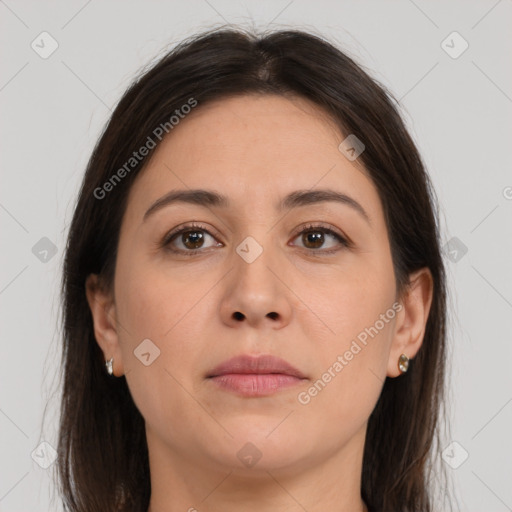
457 109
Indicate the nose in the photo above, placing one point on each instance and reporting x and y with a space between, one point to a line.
256 293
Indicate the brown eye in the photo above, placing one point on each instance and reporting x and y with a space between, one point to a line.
192 239
189 240
315 238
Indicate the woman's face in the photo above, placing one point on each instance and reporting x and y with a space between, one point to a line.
256 275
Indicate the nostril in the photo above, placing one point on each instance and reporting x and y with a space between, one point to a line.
238 316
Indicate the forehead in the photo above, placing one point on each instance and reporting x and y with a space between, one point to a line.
255 149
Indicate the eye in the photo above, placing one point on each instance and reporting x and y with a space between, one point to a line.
189 239
192 239
314 237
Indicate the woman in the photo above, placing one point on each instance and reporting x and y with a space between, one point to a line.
254 292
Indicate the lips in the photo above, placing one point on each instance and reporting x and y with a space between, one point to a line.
259 365
254 377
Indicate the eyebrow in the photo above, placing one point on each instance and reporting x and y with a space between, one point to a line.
210 198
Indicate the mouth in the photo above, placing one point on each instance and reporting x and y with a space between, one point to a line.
255 376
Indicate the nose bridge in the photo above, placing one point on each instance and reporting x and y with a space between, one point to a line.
257 240
253 261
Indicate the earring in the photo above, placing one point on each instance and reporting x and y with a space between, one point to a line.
109 364
403 363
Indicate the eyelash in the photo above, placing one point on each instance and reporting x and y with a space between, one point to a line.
168 238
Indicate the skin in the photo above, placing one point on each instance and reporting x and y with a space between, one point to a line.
255 149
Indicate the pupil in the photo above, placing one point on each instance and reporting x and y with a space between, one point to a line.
195 237
315 237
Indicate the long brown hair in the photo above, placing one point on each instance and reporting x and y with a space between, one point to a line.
102 460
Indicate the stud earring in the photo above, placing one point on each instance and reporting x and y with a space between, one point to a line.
109 364
403 363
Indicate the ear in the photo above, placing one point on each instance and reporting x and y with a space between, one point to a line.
102 306
411 320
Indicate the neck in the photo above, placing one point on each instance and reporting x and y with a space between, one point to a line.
180 483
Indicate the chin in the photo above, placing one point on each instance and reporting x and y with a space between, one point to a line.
253 450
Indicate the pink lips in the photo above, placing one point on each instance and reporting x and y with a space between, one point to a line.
255 376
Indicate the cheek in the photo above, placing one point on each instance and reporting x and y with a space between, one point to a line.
152 313
350 375
357 308
165 313
351 298
154 305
